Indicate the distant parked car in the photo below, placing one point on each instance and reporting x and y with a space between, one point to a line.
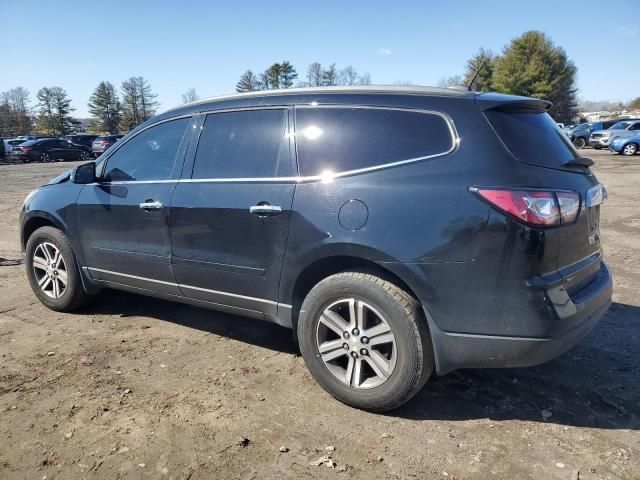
579 135
49 150
85 140
101 144
626 145
624 128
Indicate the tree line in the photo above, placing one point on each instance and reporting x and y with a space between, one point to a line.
284 75
531 65
114 111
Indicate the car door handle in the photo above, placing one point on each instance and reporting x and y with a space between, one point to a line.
151 205
265 210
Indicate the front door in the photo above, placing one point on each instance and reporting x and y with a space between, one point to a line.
123 219
230 217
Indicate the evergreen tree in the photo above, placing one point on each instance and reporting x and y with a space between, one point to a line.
484 81
248 82
138 102
54 107
104 104
287 75
533 66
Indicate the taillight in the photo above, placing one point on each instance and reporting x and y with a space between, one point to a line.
26 149
534 207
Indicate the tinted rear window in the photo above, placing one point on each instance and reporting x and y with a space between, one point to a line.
533 138
344 139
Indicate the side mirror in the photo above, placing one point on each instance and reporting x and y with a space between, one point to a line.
83 174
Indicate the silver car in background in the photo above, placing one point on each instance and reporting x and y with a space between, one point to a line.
624 128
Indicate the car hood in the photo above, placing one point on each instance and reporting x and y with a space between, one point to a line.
63 177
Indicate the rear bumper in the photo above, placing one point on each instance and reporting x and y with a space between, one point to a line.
571 317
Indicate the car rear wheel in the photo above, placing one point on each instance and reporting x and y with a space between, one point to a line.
85 156
629 149
53 271
580 142
44 157
365 341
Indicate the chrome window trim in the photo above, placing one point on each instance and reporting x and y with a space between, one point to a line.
179 285
455 138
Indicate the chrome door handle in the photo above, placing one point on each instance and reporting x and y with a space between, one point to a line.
151 205
265 210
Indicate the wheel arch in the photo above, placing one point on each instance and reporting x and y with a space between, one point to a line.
34 222
324 267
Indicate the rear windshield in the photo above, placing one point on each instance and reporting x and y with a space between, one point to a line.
532 138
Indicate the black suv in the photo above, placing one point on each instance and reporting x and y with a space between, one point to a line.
397 230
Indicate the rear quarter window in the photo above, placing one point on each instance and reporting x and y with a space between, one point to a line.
532 137
339 139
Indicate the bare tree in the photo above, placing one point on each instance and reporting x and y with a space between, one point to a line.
190 96
18 112
314 75
348 76
330 75
365 79
453 81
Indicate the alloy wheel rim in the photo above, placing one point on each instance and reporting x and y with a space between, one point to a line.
50 270
44 157
84 156
356 344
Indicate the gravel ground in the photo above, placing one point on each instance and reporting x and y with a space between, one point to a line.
134 387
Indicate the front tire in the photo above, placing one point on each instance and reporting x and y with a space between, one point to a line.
365 341
580 142
629 149
85 156
44 157
53 272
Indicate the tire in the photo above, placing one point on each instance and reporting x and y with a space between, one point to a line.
44 157
597 147
629 149
85 156
407 359
580 142
42 244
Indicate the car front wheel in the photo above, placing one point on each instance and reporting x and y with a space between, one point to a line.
580 142
365 341
85 156
53 272
629 149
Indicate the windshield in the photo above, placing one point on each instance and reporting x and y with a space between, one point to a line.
620 126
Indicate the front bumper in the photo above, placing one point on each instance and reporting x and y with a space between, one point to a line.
599 142
575 316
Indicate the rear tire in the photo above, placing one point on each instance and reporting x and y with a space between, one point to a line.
388 355
53 271
44 157
580 142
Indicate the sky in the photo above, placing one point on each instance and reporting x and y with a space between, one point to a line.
207 45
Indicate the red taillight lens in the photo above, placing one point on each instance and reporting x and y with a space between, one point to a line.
538 208
26 149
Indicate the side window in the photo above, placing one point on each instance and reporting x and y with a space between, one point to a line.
150 155
243 144
635 126
344 139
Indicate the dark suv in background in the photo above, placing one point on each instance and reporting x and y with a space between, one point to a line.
396 230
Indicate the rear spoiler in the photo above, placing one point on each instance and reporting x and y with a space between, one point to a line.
580 161
511 103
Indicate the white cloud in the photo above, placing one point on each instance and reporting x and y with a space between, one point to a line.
628 31
384 51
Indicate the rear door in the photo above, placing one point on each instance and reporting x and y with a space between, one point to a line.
230 213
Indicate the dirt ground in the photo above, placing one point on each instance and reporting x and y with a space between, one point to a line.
139 388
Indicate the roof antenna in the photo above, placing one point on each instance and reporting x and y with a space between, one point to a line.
477 73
